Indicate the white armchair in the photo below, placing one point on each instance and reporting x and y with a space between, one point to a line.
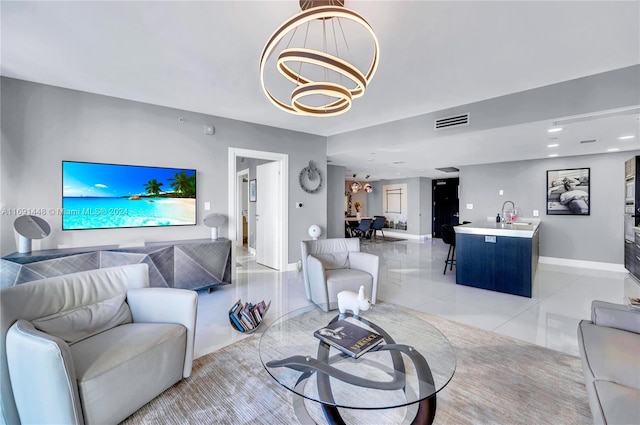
92 347
333 265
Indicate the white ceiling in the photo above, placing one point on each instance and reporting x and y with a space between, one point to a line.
203 56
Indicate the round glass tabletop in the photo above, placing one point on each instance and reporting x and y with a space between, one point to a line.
414 361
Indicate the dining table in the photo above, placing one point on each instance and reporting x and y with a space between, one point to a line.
356 218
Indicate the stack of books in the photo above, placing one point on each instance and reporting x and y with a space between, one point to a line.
633 302
247 317
348 337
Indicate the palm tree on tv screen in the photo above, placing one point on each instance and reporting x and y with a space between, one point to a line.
183 184
153 187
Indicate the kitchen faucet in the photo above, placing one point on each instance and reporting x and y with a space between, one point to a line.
503 210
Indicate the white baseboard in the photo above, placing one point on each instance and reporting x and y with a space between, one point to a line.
407 235
612 267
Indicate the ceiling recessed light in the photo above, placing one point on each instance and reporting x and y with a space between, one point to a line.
554 130
613 149
553 155
553 145
626 137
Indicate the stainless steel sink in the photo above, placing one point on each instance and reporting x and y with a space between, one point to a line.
516 223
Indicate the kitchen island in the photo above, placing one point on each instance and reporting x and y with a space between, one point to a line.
500 257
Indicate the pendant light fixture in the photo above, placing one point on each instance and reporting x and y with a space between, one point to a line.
355 186
324 82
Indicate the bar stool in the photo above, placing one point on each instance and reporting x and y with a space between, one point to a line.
449 237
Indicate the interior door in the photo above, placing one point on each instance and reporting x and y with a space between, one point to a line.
446 205
267 215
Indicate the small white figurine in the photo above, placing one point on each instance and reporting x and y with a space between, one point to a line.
348 300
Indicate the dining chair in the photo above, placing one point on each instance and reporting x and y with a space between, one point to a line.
364 228
378 224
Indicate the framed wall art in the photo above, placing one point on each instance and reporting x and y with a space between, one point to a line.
253 191
568 191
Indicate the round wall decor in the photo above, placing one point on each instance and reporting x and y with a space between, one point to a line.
310 178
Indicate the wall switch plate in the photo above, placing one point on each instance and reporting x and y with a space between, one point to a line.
209 129
501 192
490 239
536 213
207 206
469 206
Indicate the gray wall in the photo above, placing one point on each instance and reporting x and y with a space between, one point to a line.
335 201
419 200
43 125
426 207
598 237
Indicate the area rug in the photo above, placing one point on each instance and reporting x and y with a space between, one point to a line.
391 239
498 380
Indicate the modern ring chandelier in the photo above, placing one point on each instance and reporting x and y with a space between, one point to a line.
324 84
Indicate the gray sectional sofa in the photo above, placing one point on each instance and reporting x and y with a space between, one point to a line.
610 351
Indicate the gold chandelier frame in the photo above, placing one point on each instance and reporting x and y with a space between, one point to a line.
341 96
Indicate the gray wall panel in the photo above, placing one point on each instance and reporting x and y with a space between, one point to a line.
43 125
598 237
335 202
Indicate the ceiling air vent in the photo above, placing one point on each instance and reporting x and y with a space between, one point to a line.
448 169
589 141
449 122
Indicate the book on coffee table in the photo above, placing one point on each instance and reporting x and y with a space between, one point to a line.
348 337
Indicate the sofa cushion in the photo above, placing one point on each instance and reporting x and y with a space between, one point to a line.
612 354
333 261
615 316
105 364
346 280
619 404
82 322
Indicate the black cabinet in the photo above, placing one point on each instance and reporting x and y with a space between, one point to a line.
632 216
632 255
498 263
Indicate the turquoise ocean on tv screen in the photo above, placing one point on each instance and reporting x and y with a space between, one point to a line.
108 212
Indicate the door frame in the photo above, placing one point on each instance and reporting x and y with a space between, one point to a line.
234 193
239 183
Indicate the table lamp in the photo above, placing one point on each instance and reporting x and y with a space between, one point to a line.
214 221
30 227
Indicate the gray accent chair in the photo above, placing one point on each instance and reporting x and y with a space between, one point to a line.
92 347
334 265
610 351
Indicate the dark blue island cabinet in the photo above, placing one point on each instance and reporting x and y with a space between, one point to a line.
500 257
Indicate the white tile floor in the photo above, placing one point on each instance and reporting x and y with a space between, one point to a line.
411 275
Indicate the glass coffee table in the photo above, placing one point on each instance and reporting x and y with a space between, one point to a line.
408 368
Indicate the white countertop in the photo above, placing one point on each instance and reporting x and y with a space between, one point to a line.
523 228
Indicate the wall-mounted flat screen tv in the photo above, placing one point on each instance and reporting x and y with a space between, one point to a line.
107 196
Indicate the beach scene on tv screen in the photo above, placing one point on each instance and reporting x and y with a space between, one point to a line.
100 196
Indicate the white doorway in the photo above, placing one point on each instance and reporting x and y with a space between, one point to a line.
282 190
242 225
267 211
